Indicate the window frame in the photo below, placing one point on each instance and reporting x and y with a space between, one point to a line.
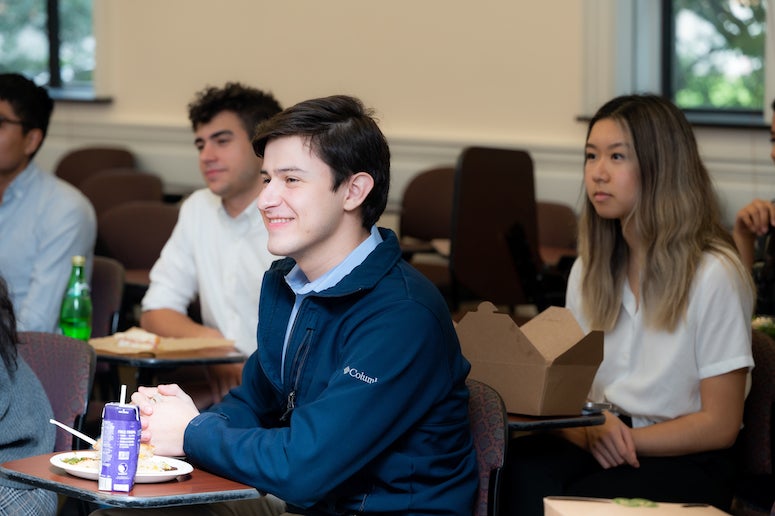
622 56
52 26
56 88
698 116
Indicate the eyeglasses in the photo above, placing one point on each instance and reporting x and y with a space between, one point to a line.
4 121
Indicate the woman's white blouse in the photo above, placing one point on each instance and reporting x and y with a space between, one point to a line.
655 375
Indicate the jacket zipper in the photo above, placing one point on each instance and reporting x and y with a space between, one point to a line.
299 360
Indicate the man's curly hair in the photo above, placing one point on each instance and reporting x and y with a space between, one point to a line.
251 105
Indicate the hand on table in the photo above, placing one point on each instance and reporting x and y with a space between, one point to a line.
611 443
165 411
222 378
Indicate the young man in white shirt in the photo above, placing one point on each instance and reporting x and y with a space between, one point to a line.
218 249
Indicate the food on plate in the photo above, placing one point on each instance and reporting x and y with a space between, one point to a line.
154 465
146 463
82 460
137 338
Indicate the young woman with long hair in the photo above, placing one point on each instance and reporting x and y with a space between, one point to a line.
659 274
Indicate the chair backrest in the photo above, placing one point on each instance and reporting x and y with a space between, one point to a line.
78 164
490 430
426 205
107 290
135 232
557 238
494 250
557 224
112 187
754 443
65 366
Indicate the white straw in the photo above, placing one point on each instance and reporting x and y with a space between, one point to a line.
73 431
123 394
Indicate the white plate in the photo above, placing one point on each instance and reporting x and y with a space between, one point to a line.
146 474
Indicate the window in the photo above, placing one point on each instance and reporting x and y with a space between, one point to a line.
713 55
50 41
628 48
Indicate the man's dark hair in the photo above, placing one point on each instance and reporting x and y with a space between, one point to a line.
251 105
345 136
30 102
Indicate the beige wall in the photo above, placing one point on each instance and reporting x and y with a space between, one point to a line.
441 74
494 69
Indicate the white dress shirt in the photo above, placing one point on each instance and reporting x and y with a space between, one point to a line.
223 259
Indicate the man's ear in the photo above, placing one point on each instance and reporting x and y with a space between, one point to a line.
358 188
32 141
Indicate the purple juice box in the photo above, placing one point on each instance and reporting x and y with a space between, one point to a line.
120 447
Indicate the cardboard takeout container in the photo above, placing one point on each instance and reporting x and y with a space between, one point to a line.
544 368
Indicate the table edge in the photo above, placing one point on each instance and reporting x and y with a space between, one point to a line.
161 362
558 422
125 500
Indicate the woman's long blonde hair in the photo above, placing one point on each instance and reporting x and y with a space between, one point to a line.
676 217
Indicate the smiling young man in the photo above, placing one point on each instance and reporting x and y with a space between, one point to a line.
355 402
44 221
217 250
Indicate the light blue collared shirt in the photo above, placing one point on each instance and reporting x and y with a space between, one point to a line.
302 287
44 221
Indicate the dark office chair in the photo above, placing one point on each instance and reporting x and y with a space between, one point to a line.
112 187
107 292
755 494
490 430
134 233
494 250
426 214
557 231
107 289
78 164
65 367
426 205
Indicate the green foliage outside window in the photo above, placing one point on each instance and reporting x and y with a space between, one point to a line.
718 54
24 44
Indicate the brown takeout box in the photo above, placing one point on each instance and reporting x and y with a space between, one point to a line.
544 368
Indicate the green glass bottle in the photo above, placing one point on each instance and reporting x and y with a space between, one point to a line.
76 312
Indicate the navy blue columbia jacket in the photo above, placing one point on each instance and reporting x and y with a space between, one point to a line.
372 415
